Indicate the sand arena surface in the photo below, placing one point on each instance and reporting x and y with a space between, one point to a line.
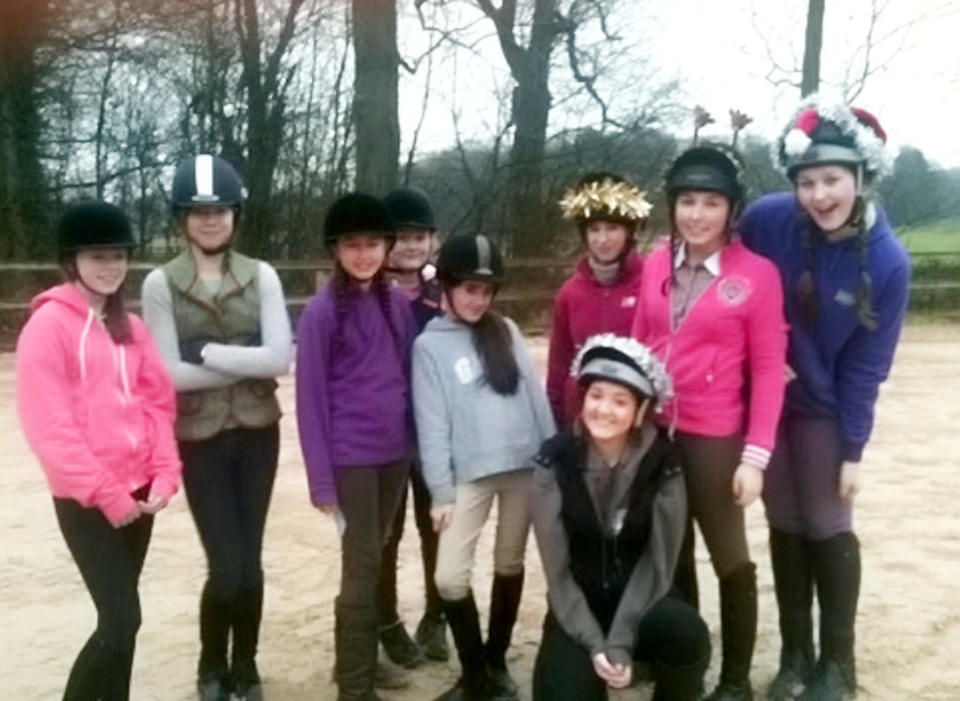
908 625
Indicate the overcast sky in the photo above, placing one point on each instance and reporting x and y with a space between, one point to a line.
716 51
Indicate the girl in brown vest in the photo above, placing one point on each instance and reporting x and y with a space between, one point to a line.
221 323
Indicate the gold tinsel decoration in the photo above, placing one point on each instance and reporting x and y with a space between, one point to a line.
594 200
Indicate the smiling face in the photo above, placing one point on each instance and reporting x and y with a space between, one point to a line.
102 270
361 255
606 239
412 249
827 194
701 218
609 411
209 229
470 300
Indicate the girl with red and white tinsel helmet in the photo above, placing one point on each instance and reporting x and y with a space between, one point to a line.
846 279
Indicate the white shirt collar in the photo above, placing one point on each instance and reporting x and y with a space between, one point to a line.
711 263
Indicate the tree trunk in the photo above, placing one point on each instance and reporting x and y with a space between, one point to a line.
530 67
375 95
23 190
810 81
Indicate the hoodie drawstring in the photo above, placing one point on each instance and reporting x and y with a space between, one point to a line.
82 351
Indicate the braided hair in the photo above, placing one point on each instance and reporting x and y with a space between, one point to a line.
343 289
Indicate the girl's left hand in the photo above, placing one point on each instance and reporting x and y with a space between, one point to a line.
441 516
849 480
747 484
154 503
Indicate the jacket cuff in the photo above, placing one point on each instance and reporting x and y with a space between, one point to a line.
118 507
618 655
852 452
165 485
755 456
443 496
323 497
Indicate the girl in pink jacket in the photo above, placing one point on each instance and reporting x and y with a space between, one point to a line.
712 311
97 408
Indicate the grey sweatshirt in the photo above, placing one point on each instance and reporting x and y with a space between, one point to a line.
223 365
652 575
465 430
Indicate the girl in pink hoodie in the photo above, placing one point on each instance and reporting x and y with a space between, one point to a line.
97 408
713 312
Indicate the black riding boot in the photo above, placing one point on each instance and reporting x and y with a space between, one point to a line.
464 621
246 633
356 649
213 674
504 603
738 631
836 567
793 582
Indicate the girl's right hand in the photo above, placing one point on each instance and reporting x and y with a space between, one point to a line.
441 516
616 676
131 516
328 509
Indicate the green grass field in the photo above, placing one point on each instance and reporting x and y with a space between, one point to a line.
941 237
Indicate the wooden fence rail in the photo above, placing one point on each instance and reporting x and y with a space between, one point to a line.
527 293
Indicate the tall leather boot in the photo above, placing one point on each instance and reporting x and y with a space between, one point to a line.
355 635
464 621
793 583
836 568
738 632
504 603
216 617
246 633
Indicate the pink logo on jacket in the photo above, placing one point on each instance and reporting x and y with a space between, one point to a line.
734 290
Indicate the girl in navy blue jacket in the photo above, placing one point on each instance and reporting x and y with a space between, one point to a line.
846 279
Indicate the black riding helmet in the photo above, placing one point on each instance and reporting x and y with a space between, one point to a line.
93 224
206 180
410 208
469 257
354 213
708 167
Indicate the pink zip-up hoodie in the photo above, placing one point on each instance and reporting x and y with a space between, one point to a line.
727 357
99 415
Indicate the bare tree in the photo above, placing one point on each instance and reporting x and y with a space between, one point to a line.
265 79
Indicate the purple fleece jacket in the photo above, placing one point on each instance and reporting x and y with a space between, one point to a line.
353 388
839 363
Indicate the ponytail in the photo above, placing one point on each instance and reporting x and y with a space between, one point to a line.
494 344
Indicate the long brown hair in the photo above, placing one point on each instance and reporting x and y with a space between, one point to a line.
115 318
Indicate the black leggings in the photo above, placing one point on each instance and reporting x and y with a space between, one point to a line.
387 596
110 560
229 480
671 635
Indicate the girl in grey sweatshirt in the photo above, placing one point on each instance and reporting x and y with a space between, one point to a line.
481 415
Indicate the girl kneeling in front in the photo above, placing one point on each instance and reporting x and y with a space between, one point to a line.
609 512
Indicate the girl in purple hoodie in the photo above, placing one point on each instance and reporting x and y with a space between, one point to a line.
353 359
97 408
